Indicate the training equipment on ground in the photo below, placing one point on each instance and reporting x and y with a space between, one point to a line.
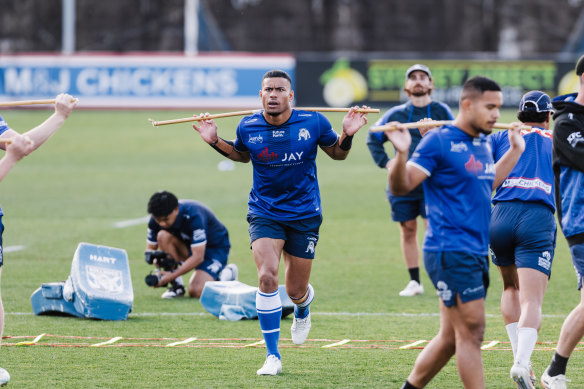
4 377
251 112
234 300
99 287
435 123
28 102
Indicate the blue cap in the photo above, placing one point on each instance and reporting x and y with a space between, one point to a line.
536 101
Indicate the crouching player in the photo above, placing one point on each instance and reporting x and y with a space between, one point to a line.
190 237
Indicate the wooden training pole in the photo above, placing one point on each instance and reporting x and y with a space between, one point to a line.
250 112
436 123
28 102
6 141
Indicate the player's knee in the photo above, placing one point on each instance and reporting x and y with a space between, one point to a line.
163 239
296 294
408 230
268 281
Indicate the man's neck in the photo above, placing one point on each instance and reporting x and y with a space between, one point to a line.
580 97
278 119
420 101
545 125
465 126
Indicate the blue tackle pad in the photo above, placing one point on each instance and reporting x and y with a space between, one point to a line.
234 300
99 287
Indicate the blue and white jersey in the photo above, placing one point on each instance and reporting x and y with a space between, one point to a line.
405 113
571 182
3 128
285 186
195 224
532 178
460 171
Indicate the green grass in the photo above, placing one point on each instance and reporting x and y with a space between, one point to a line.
102 167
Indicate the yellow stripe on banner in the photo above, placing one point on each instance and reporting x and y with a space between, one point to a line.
489 345
189 340
418 342
344 341
255 344
112 340
31 343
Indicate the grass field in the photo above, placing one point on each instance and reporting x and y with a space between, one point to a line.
102 167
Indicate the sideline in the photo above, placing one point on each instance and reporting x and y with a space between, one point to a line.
346 314
132 222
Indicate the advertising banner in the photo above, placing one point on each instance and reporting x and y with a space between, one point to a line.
130 81
380 82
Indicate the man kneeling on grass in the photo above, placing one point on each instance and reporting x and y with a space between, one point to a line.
182 236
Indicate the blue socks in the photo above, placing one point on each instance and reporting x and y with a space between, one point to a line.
303 309
269 308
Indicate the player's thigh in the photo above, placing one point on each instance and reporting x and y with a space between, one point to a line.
297 274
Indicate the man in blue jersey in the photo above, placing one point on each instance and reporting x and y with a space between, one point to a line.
568 165
523 231
405 209
191 238
284 211
456 165
19 147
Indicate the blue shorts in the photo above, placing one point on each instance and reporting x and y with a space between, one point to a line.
456 272
1 244
404 208
215 260
301 236
523 234
577 252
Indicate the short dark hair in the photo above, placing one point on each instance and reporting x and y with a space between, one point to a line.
478 85
532 116
162 204
276 73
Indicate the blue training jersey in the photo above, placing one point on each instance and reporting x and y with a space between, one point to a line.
285 186
405 113
3 128
195 224
460 171
532 178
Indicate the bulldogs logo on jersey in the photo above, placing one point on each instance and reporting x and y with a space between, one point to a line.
303 134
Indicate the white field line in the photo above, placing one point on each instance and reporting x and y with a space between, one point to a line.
132 222
11 249
345 314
